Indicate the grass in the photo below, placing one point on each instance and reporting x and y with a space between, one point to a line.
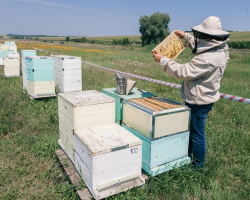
29 130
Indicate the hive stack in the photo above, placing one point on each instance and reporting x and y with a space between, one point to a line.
104 153
40 76
2 55
135 93
68 73
80 110
25 53
163 127
11 66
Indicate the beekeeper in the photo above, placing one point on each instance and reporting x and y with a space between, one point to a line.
201 78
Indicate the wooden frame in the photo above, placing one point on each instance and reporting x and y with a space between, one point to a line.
171 46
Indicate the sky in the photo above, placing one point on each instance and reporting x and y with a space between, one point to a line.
114 17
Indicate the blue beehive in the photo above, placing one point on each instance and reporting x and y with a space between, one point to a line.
163 154
9 43
135 93
39 68
25 53
2 53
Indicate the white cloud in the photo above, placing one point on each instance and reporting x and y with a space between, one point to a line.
46 3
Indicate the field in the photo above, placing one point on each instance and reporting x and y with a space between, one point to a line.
234 36
29 129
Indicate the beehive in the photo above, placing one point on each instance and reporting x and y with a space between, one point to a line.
83 109
135 93
13 47
5 47
40 88
11 62
166 153
9 72
13 55
25 53
68 73
7 52
2 55
9 43
156 117
39 68
171 46
107 156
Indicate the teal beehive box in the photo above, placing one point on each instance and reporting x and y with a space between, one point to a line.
2 53
7 52
135 93
39 68
25 53
163 154
9 43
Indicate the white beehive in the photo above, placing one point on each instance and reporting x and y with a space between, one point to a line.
5 47
13 47
83 109
9 72
14 55
107 156
40 88
11 62
68 73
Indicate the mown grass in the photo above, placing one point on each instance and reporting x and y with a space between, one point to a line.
29 131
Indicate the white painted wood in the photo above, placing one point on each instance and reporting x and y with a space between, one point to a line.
68 74
68 144
1 61
11 62
107 155
13 47
8 72
24 73
5 47
13 55
104 139
40 87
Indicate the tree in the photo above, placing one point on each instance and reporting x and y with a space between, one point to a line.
154 28
67 39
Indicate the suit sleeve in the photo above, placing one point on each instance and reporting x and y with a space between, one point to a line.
195 69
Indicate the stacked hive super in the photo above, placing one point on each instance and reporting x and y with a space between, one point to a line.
11 66
163 127
68 73
25 53
104 153
2 55
40 76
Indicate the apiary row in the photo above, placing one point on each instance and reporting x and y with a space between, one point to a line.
41 75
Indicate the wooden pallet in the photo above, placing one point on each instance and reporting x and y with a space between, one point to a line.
85 194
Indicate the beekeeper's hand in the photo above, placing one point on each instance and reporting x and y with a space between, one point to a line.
156 55
180 33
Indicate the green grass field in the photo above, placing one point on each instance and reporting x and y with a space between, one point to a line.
29 132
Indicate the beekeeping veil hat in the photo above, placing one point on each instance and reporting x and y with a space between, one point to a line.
210 28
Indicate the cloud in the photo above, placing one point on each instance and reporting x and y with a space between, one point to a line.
46 3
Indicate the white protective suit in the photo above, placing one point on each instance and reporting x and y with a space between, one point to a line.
201 76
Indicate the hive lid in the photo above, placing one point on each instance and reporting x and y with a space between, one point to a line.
171 46
108 138
38 57
83 98
66 57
